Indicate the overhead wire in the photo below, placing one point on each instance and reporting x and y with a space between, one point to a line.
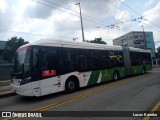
83 15
139 14
75 11
67 12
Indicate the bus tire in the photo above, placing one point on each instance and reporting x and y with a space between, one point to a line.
115 76
143 70
71 85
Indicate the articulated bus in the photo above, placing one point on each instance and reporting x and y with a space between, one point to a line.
48 66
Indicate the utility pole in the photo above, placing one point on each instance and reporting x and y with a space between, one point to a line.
145 42
122 42
81 21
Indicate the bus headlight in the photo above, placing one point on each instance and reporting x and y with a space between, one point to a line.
25 81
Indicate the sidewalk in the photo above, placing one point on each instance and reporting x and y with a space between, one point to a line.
6 89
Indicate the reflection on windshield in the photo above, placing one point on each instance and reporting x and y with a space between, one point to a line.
22 61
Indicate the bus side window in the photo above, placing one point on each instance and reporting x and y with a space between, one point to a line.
51 60
103 59
81 60
136 58
94 62
66 60
116 58
147 58
48 59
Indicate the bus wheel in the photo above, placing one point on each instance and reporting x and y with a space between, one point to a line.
143 70
70 86
115 76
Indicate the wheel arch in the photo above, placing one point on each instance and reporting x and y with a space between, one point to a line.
144 68
74 78
117 71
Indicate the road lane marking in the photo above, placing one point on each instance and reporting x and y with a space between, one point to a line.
116 84
156 107
72 99
76 98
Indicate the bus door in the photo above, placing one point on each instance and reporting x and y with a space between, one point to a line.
47 60
82 66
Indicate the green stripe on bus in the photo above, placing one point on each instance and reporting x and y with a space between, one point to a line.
94 77
138 68
106 75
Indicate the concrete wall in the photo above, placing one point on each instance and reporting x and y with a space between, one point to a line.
6 71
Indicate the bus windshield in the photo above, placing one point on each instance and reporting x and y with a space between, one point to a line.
22 60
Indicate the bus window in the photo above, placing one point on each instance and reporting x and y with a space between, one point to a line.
148 58
66 60
94 62
134 58
22 60
47 59
137 58
104 61
116 58
81 60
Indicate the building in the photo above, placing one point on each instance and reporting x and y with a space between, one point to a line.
136 39
2 46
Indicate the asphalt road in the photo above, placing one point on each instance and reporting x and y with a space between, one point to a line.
136 93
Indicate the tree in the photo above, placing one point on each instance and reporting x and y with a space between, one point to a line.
97 40
11 46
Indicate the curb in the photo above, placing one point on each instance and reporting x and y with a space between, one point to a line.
7 93
5 83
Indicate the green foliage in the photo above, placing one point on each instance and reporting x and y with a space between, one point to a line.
11 46
97 40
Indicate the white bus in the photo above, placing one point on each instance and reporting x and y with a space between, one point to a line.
48 66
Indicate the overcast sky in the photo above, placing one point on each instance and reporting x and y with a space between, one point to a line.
59 19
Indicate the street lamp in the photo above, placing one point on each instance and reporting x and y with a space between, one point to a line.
81 21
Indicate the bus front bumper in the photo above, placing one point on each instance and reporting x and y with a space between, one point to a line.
25 90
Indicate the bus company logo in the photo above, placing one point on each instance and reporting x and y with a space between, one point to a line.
6 114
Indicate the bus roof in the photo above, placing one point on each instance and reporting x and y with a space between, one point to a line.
139 50
70 44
